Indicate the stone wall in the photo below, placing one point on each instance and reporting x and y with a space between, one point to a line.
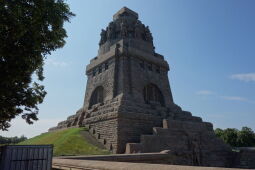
106 133
244 157
115 132
132 125
142 76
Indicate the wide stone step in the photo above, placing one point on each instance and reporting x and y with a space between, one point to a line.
187 125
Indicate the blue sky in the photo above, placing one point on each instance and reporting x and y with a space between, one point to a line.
210 47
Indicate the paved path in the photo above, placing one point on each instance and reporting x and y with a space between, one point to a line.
72 164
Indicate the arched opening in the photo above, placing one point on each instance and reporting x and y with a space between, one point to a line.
152 95
97 96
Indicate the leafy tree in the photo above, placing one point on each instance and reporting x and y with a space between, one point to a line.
29 31
237 138
230 136
12 140
246 137
219 132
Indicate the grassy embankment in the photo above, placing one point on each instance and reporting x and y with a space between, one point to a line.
67 142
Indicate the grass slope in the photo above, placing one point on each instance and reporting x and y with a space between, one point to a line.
66 142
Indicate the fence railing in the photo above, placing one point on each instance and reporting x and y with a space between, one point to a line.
26 157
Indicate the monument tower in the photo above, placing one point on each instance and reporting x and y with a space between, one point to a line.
128 104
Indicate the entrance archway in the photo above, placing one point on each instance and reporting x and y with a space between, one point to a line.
97 96
152 94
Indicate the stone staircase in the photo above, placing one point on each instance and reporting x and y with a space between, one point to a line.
103 141
190 140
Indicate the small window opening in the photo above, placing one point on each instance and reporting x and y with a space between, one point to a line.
106 66
142 64
94 73
150 67
99 69
157 69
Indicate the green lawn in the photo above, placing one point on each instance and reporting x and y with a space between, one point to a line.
66 142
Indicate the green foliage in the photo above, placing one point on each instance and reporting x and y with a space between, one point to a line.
219 132
230 136
29 30
12 140
237 138
66 142
246 137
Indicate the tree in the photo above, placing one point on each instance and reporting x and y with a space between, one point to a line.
246 137
230 136
237 138
29 31
219 132
12 140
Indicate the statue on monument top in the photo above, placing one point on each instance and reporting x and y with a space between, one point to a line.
124 29
125 25
110 31
103 37
148 36
138 29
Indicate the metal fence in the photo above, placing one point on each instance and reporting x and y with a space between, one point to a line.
26 157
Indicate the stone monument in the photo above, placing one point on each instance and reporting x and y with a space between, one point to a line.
128 103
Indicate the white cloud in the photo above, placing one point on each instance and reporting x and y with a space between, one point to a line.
204 92
234 98
244 77
56 63
20 127
230 98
